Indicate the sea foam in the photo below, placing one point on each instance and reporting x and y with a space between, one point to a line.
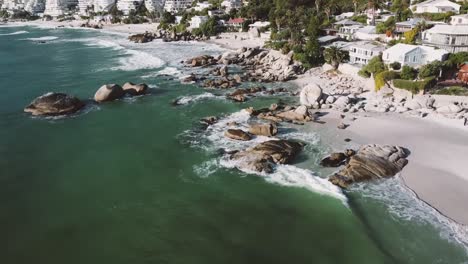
46 38
14 33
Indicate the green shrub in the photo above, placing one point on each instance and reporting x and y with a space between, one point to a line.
415 86
453 90
364 73
431 69
408 73
395 65
383 77
374 67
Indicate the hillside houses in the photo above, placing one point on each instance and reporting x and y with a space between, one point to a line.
435 6
361 52
449 37
413 55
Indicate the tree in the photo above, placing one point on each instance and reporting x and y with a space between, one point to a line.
432 69
408 73
334 56
373 67
374 5
395 65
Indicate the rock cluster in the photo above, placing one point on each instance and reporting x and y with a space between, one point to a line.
263 156
166 36
371 162
111 92
52 104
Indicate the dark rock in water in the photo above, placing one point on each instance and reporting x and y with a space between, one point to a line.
54 104
371 162
135 89
347 140
203 60
210 120
191 78
109 92
238 98
237 134
268 130
261 157
142 38
334 160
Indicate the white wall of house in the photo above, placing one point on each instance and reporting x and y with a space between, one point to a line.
412 55
459 20
451 38
362 53
435 6
197 21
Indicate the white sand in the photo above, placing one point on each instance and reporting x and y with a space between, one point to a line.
230 41
438 165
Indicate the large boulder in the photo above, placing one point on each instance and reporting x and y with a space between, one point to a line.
371 162
54 104
267 130
310 94
109 92
449 109
263 156
135 89
237 134
337 159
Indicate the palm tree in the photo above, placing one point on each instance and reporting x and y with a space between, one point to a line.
374 5
330 7
334 56
355 3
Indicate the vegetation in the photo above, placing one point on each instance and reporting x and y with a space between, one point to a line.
452 90
374 67
415 86
334 56
395 65
431 69
408 73
383 77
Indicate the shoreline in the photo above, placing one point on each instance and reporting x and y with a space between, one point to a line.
437 182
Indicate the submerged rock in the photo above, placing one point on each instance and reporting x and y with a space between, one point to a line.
267 130
135 89
237 134
54 104
371 162
261 157
109 92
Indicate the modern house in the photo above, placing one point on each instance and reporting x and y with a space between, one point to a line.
451 38
201 6
361 52
435 6
326 40
231 4
405 26
367 33
459 20
347 32
235 23
197 21
343 16
413 55
174 6
127 5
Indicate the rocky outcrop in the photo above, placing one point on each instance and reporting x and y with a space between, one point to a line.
203 60
237 134
310 94
135 89
263 156
54 104
164 35
267 130
371 162
142 38
109 92
337 159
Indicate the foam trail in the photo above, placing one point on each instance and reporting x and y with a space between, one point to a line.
14 33
138 60
404 203
196 98
43 38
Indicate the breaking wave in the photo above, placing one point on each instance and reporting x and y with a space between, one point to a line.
14 33
185 100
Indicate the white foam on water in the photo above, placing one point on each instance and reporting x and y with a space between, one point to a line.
95 42
46 38
404 204
138 60
185 100
207 168
14 33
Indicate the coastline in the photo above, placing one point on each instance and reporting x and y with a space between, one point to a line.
436 179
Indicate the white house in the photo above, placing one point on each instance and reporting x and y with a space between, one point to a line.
231 4
459 20
451 38
197 21
361 52
154 5
127 5
367 33
413 55
344 16
201 6
174 6
435 6
347 32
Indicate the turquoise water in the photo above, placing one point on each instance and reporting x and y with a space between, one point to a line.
138 181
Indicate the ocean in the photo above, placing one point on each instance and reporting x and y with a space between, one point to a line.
140 181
